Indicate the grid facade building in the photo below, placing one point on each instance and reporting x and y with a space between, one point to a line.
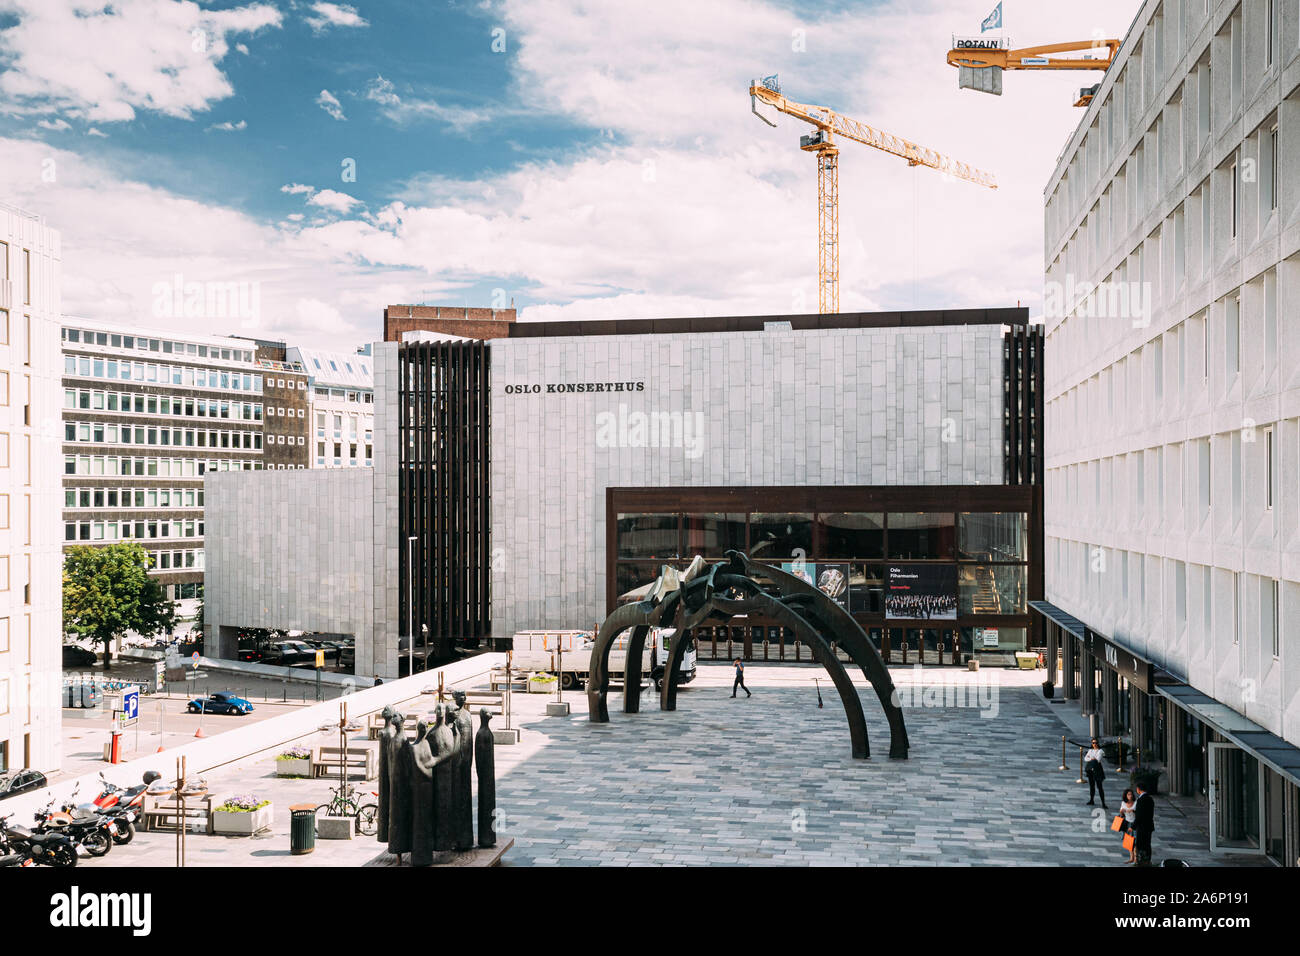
1172 250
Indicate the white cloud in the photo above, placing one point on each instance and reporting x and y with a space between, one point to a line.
330 104
229 127
54 124
295 189
333 200
406 110
103 62
96 132
120 237
334 15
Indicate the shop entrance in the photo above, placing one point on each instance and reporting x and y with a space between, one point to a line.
1236 800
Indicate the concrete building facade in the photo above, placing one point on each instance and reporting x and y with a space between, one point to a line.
1172 246
31 604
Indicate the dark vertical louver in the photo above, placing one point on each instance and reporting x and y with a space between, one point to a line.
443 488
1022 389
1022 442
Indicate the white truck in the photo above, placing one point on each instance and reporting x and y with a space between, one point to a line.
537 651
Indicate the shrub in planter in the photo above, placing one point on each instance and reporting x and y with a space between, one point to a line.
1049 688
1112 751
242 815
540 682
294 762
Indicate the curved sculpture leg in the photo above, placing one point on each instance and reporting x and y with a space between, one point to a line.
842 628
629 615
632 669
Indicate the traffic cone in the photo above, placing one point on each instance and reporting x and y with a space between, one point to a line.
159 750
199 732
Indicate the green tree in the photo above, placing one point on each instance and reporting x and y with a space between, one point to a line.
107 591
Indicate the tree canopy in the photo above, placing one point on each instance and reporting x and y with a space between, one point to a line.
107 591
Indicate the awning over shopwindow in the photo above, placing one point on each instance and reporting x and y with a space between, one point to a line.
1245 733
1056 615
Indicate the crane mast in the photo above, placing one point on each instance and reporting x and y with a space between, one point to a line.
827 125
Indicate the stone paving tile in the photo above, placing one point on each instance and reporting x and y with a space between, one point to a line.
762 781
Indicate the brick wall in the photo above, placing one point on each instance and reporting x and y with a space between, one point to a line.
450 320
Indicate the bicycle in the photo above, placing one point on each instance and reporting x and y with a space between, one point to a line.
345 802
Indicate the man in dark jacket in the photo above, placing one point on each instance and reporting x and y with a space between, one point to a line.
740 680
1144 823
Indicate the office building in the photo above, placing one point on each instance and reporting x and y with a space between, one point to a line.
146 414
31 604
341 406
1173 410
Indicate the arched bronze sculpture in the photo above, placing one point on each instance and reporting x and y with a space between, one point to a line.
716 593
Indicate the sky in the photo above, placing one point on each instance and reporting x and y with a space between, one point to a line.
592 160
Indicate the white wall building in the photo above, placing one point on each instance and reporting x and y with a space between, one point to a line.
342 396
30 557
1173 406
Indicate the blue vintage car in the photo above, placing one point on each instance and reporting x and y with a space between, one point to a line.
222 702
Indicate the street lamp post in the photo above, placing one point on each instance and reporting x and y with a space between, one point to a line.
410 607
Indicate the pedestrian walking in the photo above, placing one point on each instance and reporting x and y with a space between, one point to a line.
1096 774
740 680
1128 810
1144 824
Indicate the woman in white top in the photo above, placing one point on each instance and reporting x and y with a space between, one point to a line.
1096 774
1128 807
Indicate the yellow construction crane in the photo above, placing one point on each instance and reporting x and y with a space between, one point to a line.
828 124
980 62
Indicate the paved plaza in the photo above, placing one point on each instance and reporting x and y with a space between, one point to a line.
766 781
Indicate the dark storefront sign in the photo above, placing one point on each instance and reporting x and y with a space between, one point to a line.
1136 670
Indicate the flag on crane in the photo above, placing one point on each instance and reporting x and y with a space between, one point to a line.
994 20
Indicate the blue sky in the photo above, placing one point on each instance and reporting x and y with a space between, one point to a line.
603 164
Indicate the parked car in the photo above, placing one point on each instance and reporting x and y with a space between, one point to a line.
15 782
74 656
222 702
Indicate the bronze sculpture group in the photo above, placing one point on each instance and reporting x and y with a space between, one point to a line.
709 593
425 785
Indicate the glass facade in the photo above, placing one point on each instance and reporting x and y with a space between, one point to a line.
961 577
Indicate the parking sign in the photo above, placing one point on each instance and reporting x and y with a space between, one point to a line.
131 703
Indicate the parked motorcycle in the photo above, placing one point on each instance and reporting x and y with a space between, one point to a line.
123 807
86 828
44 848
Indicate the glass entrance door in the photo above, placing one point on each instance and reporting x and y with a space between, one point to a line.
1236 800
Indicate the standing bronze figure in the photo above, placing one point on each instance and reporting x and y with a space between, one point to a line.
422 815
400 810
444 782
463 728
485 762
385 750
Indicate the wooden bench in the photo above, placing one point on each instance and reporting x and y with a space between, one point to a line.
164 813
328 760
497 679
493 701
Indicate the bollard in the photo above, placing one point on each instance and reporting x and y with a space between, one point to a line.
1062 767
1080 780
1119 746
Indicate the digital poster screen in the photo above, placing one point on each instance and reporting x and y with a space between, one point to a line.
921 592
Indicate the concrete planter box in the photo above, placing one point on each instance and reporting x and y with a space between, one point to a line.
293 768
536 686
231 823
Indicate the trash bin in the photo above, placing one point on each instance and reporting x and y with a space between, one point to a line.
302 828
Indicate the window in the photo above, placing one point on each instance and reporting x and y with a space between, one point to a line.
1269 173
1270 471
1236 194
1270 615
1232 335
